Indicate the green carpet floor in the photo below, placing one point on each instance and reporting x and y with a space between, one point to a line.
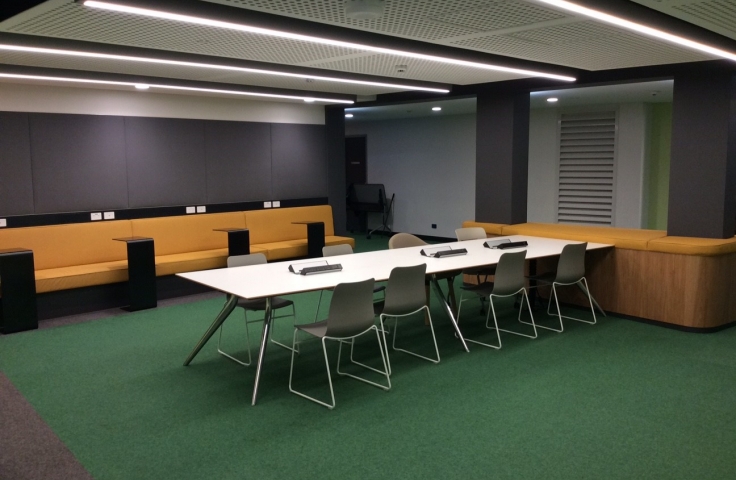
616 400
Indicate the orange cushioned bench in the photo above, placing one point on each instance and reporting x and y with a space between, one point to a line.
684 281
84 254
273 230
74 255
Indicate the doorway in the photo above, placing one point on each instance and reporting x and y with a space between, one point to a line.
356 155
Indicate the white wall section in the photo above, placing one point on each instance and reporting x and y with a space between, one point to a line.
631 158
94 101
429 163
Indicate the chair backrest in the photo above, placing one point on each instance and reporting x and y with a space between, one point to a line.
333 250
509 277
470 233
245 260
405 292
404 240
571 266
351 309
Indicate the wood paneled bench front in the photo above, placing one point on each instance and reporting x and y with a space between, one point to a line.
81 255
683 281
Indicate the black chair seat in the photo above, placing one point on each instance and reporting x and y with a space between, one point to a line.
259 305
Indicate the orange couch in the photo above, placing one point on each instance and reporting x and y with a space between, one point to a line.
84 254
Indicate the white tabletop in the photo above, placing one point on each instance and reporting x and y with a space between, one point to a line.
272 279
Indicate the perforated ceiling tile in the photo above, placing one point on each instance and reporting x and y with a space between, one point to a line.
417 69
586 45
499 15
186 73
402 18
716 15
75 21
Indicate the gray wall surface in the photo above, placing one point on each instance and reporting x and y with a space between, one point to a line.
631 157
429 163
16 176
78 162
56 163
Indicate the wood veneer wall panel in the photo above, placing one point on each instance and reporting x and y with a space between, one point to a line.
686 290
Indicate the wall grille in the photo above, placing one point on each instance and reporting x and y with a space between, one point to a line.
586 177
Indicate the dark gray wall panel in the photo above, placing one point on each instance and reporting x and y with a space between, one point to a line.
78 162
16 178
703 159
502 158
166 162
238 161
335 139
299 161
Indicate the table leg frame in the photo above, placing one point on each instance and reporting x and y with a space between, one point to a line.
448 309
267 320
227 309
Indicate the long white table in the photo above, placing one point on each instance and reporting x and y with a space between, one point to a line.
275 279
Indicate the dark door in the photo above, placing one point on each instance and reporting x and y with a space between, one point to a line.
355 172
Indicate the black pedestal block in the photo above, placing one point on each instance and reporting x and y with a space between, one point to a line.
18 311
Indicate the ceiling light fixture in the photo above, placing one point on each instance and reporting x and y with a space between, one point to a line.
637 27
76 53
171 87
436 109
552 100
306 38
364 9
349 115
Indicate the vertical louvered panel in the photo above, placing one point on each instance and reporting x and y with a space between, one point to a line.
586 173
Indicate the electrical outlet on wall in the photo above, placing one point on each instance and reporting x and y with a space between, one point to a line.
190 210
3 223
266 204
109 216
201 209
96 216
276 203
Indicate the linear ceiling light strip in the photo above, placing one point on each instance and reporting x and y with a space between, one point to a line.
172 87
106 56
306 38
637 27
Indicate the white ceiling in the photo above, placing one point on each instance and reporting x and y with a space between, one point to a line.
645 92
517 28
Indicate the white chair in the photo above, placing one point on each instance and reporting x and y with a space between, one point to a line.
509 281
350 316
476 233
333 251
277 303
406 240
570 271
405 296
